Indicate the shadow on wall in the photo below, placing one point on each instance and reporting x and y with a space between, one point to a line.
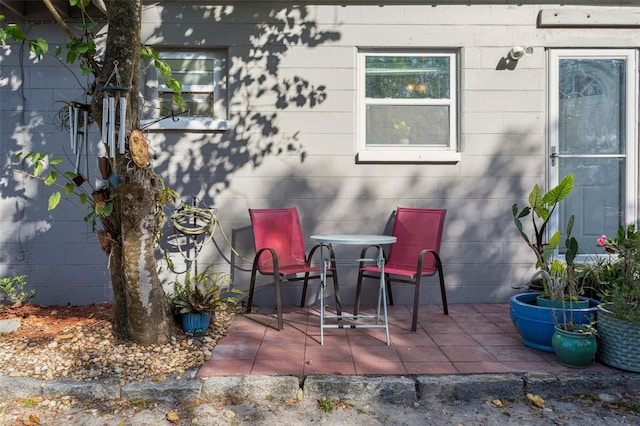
202 165
210 160
480 241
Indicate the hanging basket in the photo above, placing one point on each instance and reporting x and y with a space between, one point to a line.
618 341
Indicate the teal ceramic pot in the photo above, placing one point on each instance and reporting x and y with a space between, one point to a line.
577 350
582 303
195 324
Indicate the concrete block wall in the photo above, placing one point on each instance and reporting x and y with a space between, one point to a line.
279 154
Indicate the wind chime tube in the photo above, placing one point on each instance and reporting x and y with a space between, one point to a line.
112 127
71 128
74 138
105 118
122 130
85 118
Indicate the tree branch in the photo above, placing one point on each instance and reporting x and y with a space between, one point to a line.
59 20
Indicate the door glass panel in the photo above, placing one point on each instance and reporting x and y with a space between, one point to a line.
592 106
592 146
597 199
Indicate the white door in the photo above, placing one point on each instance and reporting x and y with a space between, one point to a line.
592 135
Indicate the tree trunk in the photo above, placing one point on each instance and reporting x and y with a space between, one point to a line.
142 312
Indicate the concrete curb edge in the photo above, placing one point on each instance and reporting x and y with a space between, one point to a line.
394 389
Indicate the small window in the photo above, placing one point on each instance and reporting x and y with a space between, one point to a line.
408 108
202 75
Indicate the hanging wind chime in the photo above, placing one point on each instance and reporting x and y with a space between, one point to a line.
113 123
78 133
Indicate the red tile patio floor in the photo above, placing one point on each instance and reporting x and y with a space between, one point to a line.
471 339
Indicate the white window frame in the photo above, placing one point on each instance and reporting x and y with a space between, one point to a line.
152 90
393 153
631 177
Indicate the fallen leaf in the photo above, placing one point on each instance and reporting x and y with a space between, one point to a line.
33 420
535 400
54 313
498 403
310 362
229 414
173 417
64 336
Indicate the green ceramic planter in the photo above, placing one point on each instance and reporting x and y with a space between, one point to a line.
577 350
582 303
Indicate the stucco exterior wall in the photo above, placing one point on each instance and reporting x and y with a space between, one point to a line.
279 154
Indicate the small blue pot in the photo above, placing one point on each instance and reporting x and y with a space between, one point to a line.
195 324
536 324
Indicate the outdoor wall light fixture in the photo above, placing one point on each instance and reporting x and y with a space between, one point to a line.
516 53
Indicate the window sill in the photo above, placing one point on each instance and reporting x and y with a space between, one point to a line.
196 124
408 156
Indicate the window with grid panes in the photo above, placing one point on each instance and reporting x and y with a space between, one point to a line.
408 106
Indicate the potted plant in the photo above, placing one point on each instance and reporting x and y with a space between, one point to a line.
197 297
619 316
403 130
574 343
535 314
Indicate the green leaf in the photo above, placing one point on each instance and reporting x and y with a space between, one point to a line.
174 85
83 198
37 168
71 56
39 47
54 200
105 209
81 48
51 178
572 250
163 68
85 69
524 213
68 188
56 161
178 99
82 4
554 240
87 26
147 53
14 32
560 191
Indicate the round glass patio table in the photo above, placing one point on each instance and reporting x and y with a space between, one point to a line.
355 239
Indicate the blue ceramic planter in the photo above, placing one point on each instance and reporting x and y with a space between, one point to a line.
536 324
195 324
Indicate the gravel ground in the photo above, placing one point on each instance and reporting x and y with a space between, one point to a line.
70 411
78 343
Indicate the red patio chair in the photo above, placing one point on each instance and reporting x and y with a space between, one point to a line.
413 256
280 252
